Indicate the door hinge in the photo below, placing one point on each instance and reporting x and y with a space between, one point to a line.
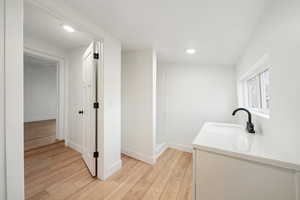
96 56
96 154
96 105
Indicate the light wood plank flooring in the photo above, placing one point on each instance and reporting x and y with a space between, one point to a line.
58 172
39 133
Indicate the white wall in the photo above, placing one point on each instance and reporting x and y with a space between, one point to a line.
191 95
278 37
112 106
75 98
161 105
138 104
40 91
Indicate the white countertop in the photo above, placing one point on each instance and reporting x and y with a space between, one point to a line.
233 140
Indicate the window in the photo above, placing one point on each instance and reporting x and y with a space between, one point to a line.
257 88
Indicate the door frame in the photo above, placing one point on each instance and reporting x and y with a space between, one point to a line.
2 105
61 132
11 92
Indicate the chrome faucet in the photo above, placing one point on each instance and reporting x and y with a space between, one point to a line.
250 126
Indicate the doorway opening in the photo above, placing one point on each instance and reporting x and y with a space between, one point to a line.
65 140
41 101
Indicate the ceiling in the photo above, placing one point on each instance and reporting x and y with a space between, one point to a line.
219 30
40 25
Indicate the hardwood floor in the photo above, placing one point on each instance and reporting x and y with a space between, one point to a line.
39 133
58 172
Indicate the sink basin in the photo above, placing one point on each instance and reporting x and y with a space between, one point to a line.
233 140
231 137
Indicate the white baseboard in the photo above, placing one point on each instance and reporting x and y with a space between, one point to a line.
74 146
160 149
145 158
40 117
181 147
111 170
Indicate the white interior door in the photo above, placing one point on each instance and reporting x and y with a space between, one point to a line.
89 113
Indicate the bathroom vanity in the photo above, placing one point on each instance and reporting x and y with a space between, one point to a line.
231 164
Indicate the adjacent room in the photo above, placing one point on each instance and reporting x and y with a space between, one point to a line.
40 101
149 100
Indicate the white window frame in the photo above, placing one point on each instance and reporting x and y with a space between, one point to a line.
258 68
246 91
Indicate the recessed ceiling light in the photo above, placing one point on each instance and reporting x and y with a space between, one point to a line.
190 51
68 28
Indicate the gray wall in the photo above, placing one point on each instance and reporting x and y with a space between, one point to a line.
40 91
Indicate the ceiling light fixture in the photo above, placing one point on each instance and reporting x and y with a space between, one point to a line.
190 51
68 28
